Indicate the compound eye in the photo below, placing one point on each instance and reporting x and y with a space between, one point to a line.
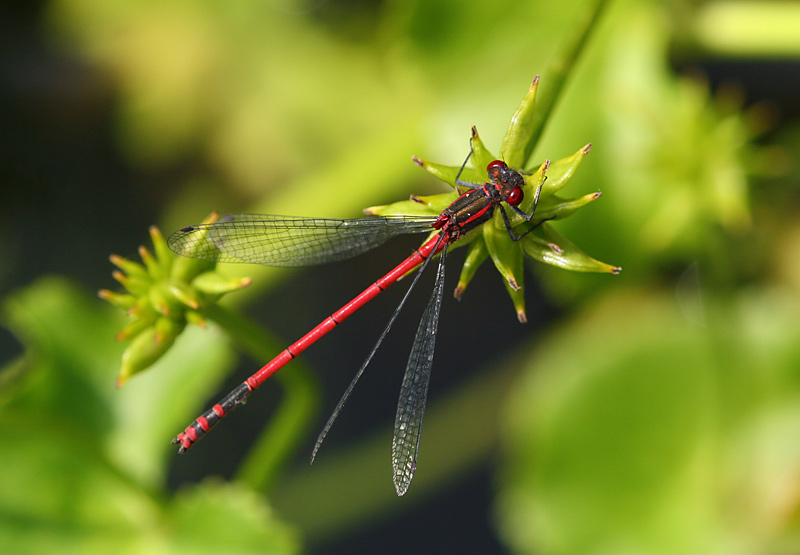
515 196
496 164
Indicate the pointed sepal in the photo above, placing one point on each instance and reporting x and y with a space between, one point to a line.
561 171
514 146
555 208
548 246
477 255
215 284
445 173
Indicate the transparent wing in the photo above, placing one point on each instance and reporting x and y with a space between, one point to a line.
414 391
363 367
290 241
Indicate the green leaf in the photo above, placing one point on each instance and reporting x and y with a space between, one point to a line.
63 378
88 458
634 428
223 517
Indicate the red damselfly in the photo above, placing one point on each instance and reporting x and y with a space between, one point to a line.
296 241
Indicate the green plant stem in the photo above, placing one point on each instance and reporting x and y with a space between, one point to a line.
554 78
288 426
279 440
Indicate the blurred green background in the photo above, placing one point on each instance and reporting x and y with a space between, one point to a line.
657 411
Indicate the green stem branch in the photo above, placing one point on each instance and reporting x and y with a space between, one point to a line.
279 440
559 69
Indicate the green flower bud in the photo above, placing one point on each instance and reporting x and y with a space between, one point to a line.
493 240
165 292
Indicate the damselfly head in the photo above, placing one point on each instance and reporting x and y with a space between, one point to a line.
508 181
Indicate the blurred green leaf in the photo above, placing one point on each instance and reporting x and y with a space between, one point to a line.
62 378
89 460
752 28
225 517
638 440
